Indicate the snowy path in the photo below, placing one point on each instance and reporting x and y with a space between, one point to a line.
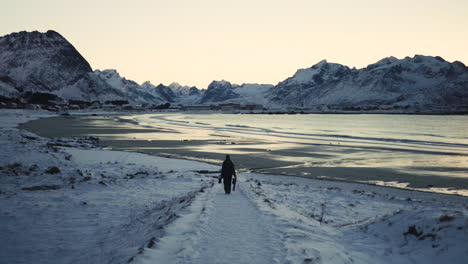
229 229
235 233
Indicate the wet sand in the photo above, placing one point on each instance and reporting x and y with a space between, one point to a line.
257 156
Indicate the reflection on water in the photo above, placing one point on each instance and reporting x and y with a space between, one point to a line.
415 145
351 135
411 151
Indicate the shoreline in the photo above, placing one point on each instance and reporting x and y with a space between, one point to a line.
331 180
362 174
19 126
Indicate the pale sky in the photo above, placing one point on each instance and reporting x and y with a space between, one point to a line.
254 41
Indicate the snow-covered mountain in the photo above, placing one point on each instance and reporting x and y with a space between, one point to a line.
421 82
31 61
48 63
145 93
247 93
184 90
186 95
218 91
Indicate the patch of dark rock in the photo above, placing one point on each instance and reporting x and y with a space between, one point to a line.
15 165
102 183
53 147
151 242
269 202
170 218
87 178
29 137
446 218
310 260
52 170
412 231
397 212
432 236
93 138
205 171
41 188
33 167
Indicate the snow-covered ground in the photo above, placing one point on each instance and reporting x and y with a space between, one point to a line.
68 201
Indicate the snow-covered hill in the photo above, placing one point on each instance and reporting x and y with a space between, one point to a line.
421 82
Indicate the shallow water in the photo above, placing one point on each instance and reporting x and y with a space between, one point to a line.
427 152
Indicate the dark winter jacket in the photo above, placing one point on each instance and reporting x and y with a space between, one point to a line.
228 169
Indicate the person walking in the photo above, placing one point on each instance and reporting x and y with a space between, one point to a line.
227 171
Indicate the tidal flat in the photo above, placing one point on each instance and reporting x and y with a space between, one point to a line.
421 152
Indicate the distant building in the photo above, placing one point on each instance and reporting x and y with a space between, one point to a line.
95 105
33 107
109 107
253 107
230 106
195 107
74 107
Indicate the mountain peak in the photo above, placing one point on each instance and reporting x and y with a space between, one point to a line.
147 84
219 84
175 85
40 61
53 34
322 62
387 60
390 83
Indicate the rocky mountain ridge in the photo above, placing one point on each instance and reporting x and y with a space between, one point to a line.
46 63
418 82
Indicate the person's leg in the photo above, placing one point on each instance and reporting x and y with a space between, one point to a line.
227 185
